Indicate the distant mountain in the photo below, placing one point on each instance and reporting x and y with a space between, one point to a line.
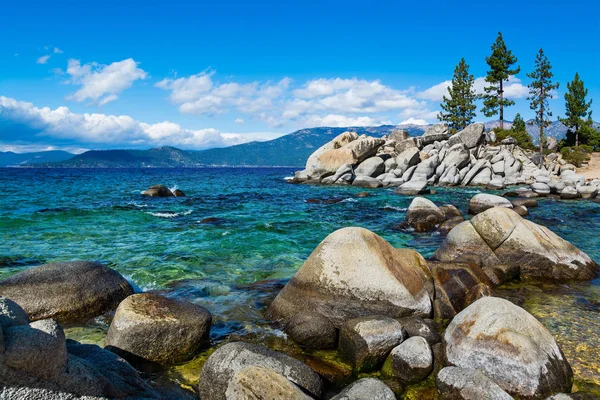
10 159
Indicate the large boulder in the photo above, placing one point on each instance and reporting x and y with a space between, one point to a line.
371 167
500 236
158 191
313 162
220 368
407 159
365 342
66 291
150 327
423 215
366 389
367 182
471 136
260 383
312 331
412 360
484 201
509 346
454 383
355 273
328 162
412 188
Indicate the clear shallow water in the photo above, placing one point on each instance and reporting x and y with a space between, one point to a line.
260 230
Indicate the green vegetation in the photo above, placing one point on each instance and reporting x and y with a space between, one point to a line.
540 90
576 155
500 63
459 108
518 131
576 107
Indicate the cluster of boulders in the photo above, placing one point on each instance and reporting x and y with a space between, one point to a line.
437 158
162 191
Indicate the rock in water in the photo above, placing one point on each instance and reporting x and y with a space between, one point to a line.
225 362
158 191
66 291
423 215
340 140
371 167
150 327
354 152
354 273
366 389
456 383
259 383
312 331
500 236
509 346
483 201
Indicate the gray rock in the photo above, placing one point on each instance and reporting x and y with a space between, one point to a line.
66 291
454 383
521 210
407 175
510 347
436 129
150 327
569 193
365 342
412 360
424 328
482 178
423 215
260 383
541 188
158 191
472 135
366 389
412 188
312 331
484 201
371 167
226 361
587 192
11 314
367 182
390 165
425 169
398 135
405 144
407 159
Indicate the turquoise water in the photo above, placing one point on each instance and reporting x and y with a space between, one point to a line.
260 230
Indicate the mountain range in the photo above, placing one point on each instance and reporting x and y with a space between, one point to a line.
290 150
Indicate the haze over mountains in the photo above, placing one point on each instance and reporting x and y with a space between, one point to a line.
290 150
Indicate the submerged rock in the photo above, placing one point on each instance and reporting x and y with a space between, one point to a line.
158 191
225 362
510 347
423 215
66 291
500 236
454 383
354 273
150 327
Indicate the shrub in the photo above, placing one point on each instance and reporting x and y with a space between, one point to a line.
522 137
576 155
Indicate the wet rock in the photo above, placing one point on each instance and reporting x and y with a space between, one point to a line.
158 191
569 193
425 328
541 188
66 291
366 389
529 203
446 226
312 331
510 347
367 182
365 342
226 361
354 273
521 210
450 211
412 360
178 193
259 383
454 383
483 201
150 327
500 236
412 188
423 215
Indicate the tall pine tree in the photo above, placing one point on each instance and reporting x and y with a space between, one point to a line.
518 124
540 90
460 106
500 63
576 108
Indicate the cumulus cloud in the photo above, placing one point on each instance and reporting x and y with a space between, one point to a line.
101 84
513 89
239 121
43 59
56 50
414 121
338 120
88 129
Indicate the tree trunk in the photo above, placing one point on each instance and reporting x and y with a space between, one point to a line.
542 123
501 92
576 135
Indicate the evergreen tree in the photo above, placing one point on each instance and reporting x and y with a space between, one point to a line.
460 106
500 63
576 108
540 90
518 124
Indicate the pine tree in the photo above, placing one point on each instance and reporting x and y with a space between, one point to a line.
540 90
576 108
460 106
518 124
500 63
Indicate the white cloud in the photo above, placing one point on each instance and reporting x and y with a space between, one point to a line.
413 121
336 120
56 50
34 147
101 84
513 89
43 59
239 121
64 125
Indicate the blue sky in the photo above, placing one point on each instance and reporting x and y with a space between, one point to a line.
199 74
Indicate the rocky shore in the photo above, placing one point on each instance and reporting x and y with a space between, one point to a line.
393 318
470 157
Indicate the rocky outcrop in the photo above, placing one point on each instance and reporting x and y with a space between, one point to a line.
150 327
354 273
66 291
499 236
221 367
158 191
510 347
36 362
